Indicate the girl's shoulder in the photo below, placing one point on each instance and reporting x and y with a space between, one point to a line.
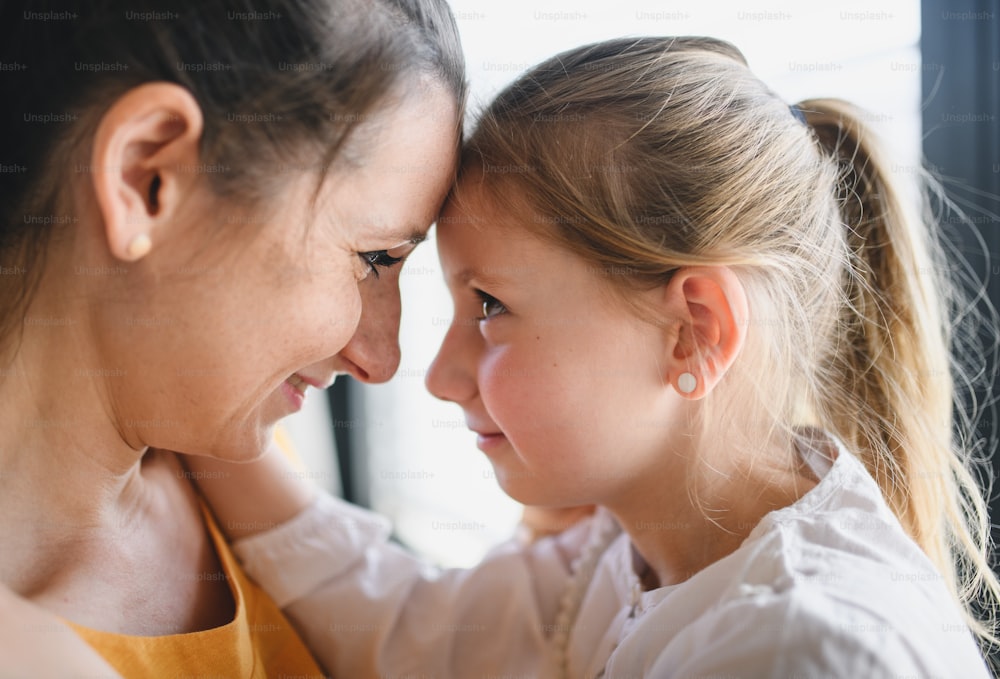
809 631
829 586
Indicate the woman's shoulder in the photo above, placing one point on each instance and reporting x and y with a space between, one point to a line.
35 643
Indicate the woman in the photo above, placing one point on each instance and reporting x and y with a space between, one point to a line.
188 234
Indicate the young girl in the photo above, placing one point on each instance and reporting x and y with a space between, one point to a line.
713 316
184 188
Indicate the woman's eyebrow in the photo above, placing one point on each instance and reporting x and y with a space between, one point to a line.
413 235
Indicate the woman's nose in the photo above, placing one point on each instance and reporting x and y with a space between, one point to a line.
372 354
451 376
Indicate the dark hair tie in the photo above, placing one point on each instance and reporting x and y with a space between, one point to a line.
798 114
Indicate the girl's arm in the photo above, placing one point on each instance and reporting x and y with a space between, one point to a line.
34 643
366 607
251 497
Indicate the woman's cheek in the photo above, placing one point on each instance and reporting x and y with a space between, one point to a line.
334 332
315 328
338 313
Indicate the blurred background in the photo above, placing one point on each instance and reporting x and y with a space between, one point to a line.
926 71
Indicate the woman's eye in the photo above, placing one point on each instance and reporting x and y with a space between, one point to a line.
378 258
491 306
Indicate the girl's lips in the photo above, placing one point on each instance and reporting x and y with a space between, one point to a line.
489 441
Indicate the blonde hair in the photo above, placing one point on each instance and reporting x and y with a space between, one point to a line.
645 155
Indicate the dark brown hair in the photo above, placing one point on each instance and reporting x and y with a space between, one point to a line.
281 83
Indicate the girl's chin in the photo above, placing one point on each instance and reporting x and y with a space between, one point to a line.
521 486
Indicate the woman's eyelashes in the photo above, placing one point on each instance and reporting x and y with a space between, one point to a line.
375 260
378 258
491 306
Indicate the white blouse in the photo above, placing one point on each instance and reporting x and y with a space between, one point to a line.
830 586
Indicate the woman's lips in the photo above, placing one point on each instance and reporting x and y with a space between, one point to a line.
314 382
294 389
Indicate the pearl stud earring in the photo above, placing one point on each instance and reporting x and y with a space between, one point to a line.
687 383
139 247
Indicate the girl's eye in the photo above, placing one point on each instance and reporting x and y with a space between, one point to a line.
378 258
491 306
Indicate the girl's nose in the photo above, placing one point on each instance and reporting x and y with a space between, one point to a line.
452 374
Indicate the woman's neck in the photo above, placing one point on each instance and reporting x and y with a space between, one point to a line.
66 472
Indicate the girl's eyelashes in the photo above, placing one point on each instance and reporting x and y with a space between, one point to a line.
378 258
491 306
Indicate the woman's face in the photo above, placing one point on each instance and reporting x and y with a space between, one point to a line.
244 311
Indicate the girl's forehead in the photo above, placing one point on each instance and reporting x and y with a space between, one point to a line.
478 199
485 220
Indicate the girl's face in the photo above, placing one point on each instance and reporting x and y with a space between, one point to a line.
560 378
232 327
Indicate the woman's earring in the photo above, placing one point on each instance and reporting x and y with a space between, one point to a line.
139 247
687 383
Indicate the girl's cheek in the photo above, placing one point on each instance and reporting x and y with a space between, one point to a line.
488 331
509 385
490 375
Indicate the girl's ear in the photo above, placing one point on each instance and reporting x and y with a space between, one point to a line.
708 310
145 157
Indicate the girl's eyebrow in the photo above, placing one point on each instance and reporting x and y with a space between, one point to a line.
508 277
468 274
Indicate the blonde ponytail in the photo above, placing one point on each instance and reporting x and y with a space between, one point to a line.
888 388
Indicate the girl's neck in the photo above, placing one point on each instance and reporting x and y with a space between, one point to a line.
676 535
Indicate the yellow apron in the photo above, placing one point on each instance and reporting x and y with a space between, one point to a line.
259 643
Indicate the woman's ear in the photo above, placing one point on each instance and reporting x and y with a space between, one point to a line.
145 154
709 310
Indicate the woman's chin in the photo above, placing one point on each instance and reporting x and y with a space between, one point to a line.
247 446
